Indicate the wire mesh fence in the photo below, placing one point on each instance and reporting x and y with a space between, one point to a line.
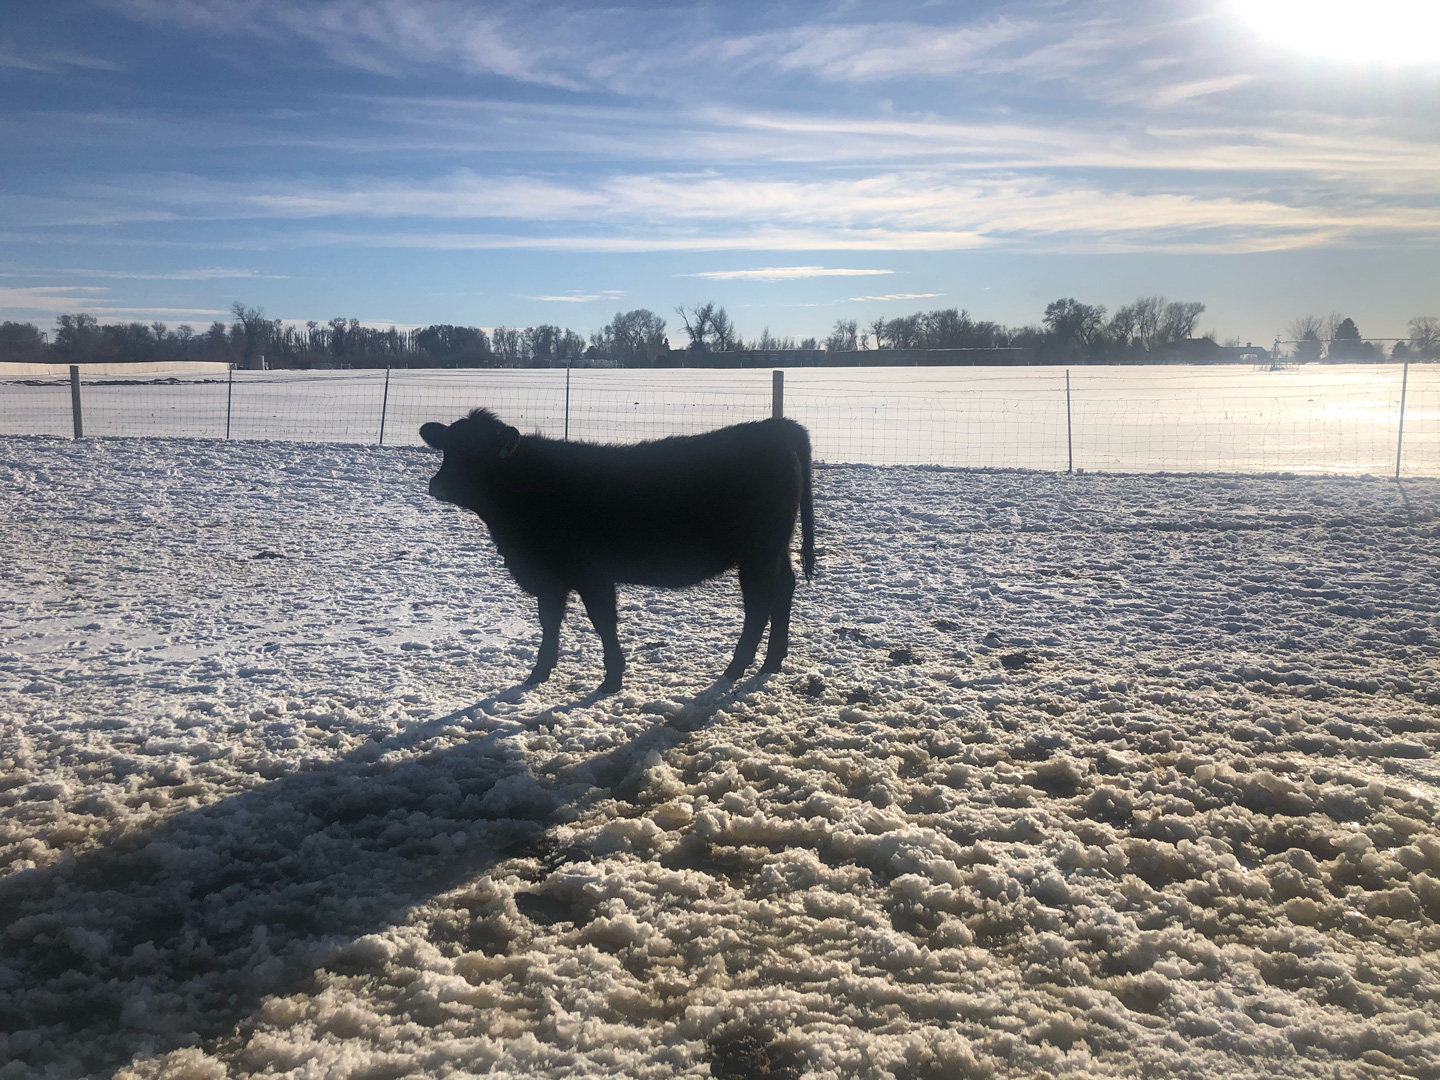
1305 418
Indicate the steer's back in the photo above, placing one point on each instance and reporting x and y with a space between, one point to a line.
669 512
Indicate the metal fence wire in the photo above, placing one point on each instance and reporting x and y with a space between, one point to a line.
1345 418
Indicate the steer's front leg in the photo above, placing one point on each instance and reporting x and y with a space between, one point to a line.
552 614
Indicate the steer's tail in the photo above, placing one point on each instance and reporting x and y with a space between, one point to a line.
807 507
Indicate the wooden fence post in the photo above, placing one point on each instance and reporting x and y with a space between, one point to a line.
1399 439
384 404
75 400
1069 433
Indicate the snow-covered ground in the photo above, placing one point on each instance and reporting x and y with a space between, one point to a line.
1082 775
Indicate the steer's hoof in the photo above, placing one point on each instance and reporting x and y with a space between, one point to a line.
734 671
539 675
770 667
611 685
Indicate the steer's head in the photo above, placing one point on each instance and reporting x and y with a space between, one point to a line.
474 447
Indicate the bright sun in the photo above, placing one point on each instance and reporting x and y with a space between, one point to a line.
1401 31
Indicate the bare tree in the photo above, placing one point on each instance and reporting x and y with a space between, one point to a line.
465 346
1122 326
947 328
1149 310
21 341
77 337
569 347
904 332
988 334
1305 332
1072 324
723 331
509 345
1152 322
551 346
1425 335
1138 324
768 342
709 328
843 338
632 338
217 342
251 330
696 320
877 330
1179 319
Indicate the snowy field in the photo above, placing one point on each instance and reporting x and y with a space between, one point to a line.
1309 418
1082 775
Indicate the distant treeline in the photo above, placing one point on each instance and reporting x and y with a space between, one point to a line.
1150 329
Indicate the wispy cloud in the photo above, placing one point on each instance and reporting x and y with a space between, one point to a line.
59 299
459 195
783 273
52 60
1168 96
208 273
49 298
898 296
934 209
1339 148
1340 154
756 239
385 37
579 47
147 313
872 51
577 297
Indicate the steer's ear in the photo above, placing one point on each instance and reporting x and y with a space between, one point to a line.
436 435
512 442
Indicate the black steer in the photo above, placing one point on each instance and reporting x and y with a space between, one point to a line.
574 516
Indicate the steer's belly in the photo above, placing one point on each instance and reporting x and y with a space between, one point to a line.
669 570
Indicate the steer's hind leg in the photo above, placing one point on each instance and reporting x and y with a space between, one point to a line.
599 601
552 614
757 588
779 644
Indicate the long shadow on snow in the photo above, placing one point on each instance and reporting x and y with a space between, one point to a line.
172 936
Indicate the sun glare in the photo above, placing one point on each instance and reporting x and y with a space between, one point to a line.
1398 31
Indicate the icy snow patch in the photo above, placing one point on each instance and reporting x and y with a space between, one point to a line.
1082 775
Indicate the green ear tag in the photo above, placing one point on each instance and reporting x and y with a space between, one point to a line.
509 448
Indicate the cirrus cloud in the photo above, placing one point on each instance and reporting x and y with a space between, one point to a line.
897 296
915 209
783 273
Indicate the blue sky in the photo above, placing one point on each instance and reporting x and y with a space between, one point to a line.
419 161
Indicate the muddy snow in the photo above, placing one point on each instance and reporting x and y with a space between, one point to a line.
1081 775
